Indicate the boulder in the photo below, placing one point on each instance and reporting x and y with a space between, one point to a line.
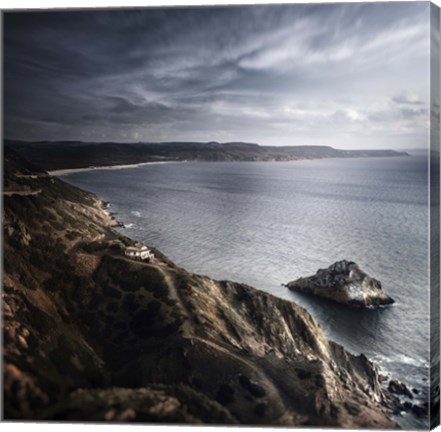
419 411
399 388
344 282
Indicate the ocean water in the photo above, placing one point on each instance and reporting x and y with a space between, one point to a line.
267 223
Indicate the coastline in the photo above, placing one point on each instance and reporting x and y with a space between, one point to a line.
200 335
67 171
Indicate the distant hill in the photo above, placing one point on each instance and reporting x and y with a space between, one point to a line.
77 154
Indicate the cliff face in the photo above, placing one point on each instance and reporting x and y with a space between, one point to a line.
344 282
92 335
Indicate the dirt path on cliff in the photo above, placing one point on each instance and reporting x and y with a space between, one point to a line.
170 280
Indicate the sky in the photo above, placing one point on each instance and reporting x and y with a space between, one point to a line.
352 75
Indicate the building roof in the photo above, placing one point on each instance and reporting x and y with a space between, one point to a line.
137 249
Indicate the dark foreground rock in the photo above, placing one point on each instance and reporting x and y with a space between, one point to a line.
90 335
399 388
404 402
344 282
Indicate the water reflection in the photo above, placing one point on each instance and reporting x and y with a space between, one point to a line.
357 329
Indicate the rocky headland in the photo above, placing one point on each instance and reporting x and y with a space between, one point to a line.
344 282
90 335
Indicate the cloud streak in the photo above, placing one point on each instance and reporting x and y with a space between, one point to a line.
348 75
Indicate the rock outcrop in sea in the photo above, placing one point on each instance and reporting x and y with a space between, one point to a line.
91 335
344 282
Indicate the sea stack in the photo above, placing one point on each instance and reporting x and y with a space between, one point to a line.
344 282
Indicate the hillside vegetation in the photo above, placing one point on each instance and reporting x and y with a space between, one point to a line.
73 154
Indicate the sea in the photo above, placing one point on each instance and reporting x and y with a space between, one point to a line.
268 223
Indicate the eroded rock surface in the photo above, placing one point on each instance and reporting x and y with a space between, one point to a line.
344 282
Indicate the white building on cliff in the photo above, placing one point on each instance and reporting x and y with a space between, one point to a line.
142 253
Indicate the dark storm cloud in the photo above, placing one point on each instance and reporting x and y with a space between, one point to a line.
288 74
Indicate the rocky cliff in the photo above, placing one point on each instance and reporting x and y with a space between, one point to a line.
344 282
92 335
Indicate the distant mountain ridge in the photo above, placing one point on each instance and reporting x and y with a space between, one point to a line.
53 155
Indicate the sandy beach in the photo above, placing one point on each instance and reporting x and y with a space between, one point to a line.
63 172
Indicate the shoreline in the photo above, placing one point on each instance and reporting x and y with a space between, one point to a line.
67 171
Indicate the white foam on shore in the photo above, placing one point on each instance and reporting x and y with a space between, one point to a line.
403 359
63 172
